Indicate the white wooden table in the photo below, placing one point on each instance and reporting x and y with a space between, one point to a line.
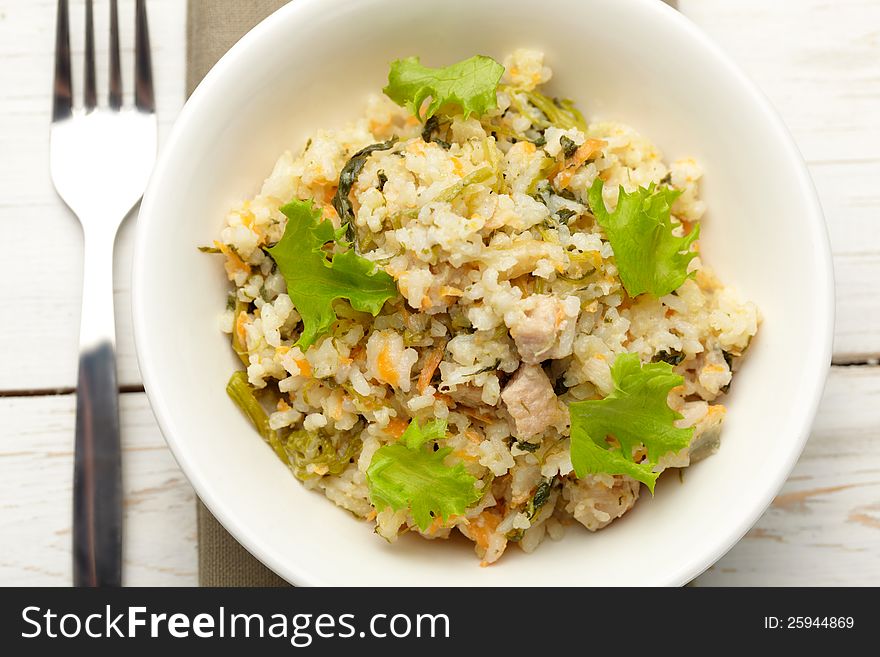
817 60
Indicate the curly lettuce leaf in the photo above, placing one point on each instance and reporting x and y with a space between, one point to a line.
469 85
635 414
315 281
407 475
649 257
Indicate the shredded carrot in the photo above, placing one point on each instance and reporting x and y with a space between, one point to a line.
473 436
337 400
448 291
357 352
396 426
328 212
385 365
305 368
282 405
234 263
430 366
446 399
240 321
371 515
567 170
483 527
438 523
716 409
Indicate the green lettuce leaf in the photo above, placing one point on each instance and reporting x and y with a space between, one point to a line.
406 475
635 413
469 85
315 281
649 257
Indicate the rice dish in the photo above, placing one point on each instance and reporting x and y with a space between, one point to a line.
508 311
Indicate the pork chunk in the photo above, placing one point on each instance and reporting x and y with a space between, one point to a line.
596 500
531 402
546 328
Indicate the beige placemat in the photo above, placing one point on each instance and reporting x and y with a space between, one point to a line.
213 27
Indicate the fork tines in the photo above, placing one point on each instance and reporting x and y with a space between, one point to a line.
62 96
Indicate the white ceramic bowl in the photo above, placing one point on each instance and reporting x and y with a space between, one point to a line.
311 65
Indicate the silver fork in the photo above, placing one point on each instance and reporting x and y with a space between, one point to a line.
100 159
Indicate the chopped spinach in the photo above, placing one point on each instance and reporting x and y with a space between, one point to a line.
566 214
672 357
382 179
347 178
728 358
542 494
568 146
667 179
526 446
559 387
567 194
539 499
432 126
540 141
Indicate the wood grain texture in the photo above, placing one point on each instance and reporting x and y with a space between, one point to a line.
817 60
41 307
824 526
36 478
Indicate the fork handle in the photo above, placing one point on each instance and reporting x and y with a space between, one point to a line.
97 480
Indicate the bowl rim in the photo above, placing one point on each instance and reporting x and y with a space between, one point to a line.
816 369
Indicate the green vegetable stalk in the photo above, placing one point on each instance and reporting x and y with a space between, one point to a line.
241 392
312 455
560 113
476 176
237 346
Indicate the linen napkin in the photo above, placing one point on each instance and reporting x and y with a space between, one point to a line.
213 27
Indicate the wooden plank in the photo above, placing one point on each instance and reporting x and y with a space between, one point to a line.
36 462
41 239
824 527
818 61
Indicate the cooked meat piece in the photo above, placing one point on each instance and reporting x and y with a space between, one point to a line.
519 258
467 394
706 419
707 434
531 402
547 328
596 500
